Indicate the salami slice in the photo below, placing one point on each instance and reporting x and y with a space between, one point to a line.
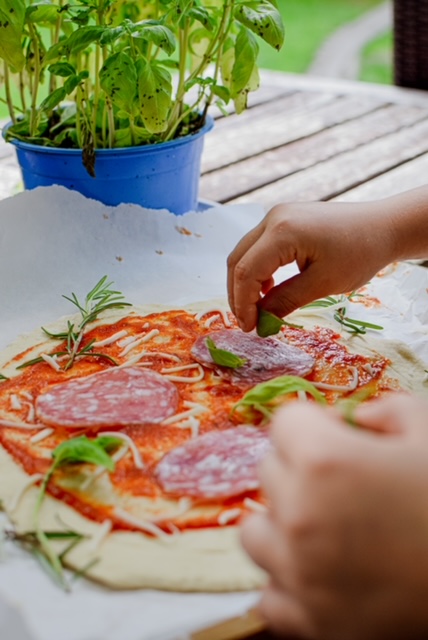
114 397
218 464
265 358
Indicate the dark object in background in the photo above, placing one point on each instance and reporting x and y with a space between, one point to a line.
411 43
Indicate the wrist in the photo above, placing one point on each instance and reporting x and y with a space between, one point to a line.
407 224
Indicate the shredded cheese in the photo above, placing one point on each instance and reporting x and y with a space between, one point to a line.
212 319
219 312
191 423
178 417
140 340
20 425
51 361
184 505
116 336
144 525
191 379
323 386
253 505
135 360
162 354
31 412
15 402
41 435
125 341
27 395
368 367
17 497
138 461
100 535
228 516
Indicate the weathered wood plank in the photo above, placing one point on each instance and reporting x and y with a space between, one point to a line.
407 176
268 126
347 170
246 176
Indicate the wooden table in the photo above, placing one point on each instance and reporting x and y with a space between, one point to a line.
304 139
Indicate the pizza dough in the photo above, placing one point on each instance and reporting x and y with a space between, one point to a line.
194 560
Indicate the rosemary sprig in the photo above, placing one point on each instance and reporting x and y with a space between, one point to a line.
351 325
101 298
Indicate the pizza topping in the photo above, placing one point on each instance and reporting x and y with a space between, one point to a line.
111 339
29 482
268 324
51 361
229 515
139 340
138 461
41 435
254 505
113 397
218 464
145 525
340 387
264 397
223 357
15 402
192 411
217 312
100 535
192 379
161 354
265 357
18 424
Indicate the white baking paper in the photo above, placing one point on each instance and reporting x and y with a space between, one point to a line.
54 242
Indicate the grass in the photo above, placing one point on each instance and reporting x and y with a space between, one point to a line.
376 61
308 23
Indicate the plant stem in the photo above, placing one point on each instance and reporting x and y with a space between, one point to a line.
8 94
217 41
33 114
22 92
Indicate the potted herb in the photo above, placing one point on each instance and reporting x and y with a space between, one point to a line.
108 82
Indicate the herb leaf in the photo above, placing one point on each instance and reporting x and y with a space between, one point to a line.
76 450
351 325
262 396
82 449
224 358
268 323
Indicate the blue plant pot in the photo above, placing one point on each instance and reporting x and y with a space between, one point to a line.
157 176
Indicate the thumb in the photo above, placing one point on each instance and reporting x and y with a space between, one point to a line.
295 292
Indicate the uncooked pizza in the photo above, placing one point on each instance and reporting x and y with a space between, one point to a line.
130 437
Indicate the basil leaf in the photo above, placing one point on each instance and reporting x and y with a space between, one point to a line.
260 396
82 449
268 324
224 358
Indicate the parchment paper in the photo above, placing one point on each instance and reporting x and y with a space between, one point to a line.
54 242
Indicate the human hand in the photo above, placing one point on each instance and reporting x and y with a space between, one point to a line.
338 247
345 539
